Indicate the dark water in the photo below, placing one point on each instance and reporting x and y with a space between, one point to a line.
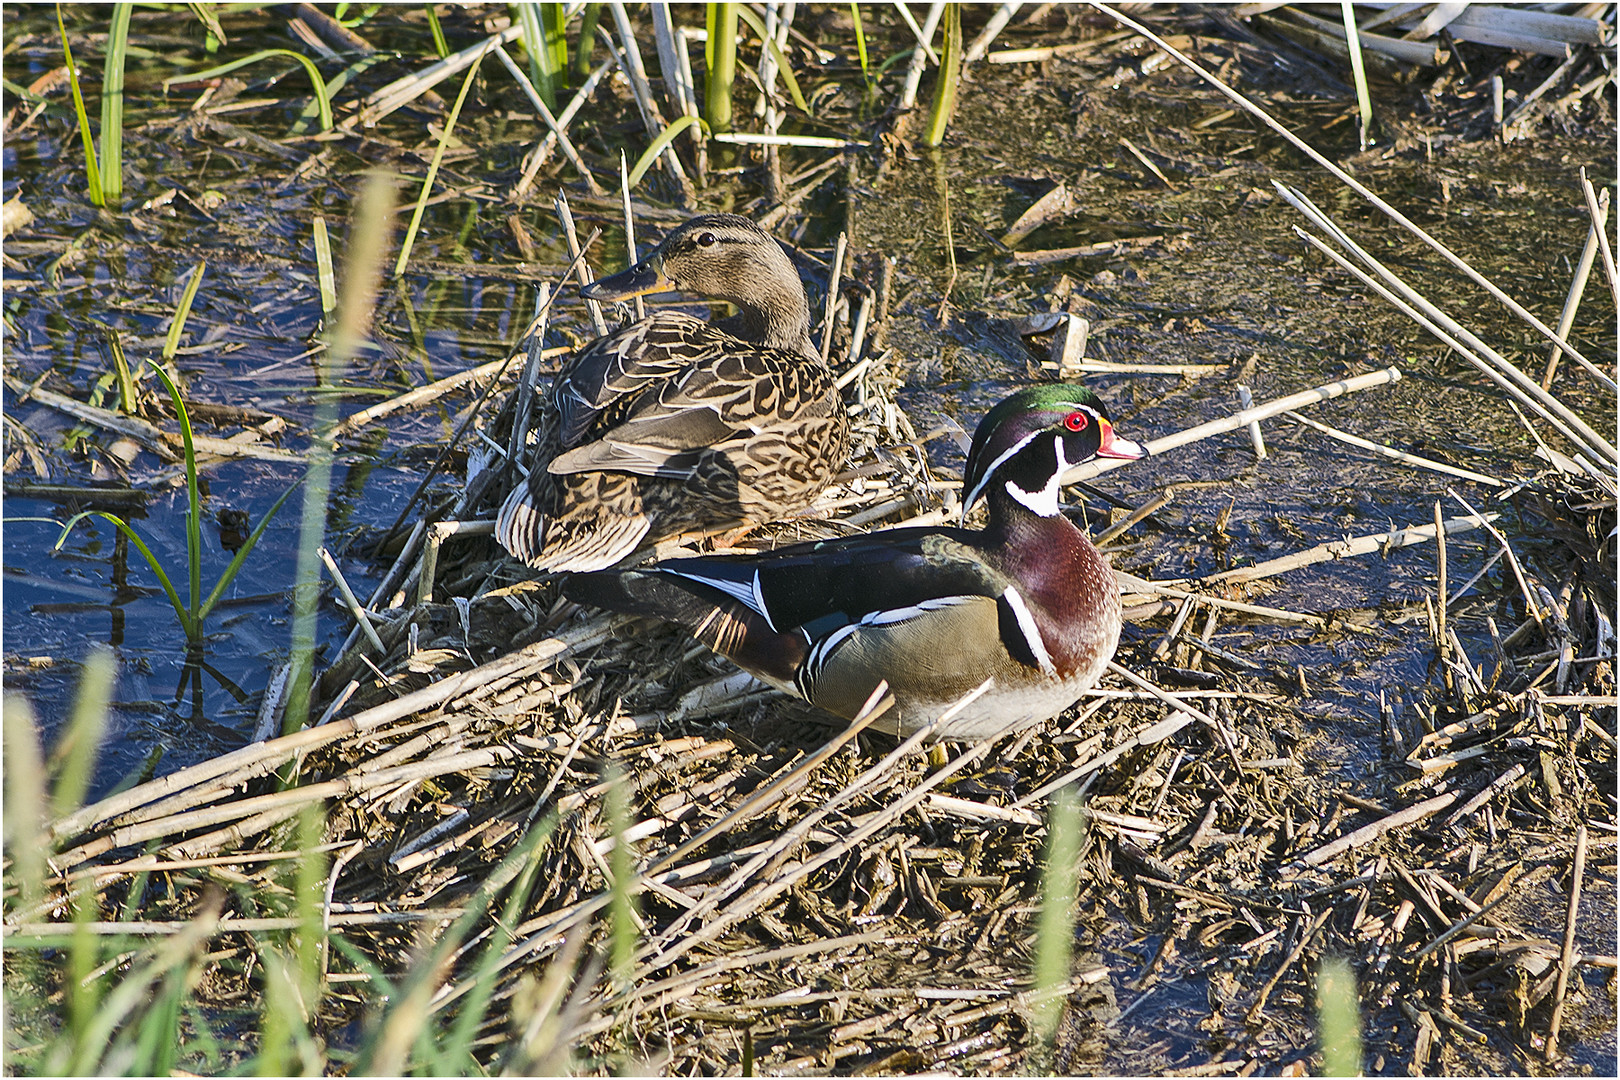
1224 280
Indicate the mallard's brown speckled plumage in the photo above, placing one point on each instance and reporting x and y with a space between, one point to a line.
672 424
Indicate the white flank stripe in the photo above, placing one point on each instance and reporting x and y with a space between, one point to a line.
1026 623
759 602
744 593
895 615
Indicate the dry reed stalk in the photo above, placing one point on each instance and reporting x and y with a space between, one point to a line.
652 120
1180 705
1368 833
582 269
1394 454
1243 419
542 150
259 758
148 435
558 131
404 90
1595 212
1341 549
1343 177
1437 322
423 395
919 59
1566 958
1577 289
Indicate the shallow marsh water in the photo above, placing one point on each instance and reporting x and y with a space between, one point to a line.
1224 280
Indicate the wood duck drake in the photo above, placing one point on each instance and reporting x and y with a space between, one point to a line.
1027 601
672 424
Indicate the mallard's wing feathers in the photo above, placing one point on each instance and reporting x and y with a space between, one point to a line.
605 381
639 458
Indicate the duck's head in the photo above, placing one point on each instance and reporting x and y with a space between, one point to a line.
1031 439
723 257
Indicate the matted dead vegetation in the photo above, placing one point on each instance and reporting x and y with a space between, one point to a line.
814 899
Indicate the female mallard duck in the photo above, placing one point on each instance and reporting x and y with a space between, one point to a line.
1026 602
673 424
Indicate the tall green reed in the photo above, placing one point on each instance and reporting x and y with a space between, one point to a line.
112 105
950 74
92 167
370 233
544 41
1054 933
1338 1014
720 56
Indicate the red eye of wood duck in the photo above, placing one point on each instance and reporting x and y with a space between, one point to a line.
673 424
1027 602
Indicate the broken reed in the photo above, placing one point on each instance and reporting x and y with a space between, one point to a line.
132 1009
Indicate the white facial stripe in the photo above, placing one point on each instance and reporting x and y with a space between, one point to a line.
1032 633
973 496
1045 501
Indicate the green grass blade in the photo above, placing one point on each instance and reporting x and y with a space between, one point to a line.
1338 1018
456 1055
112 105
950 72
386 1050
177 326
433 167
127 401
132 991
323 268
621 863
140 545
369 235
1054 933
322 96
25 804
440 46
722 55
92 169
74 757
541 30
783 69
248 545
210 21
860 43
193 495
583 51
665 137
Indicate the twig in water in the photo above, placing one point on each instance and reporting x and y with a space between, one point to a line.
1355 185
1567 957
1513 560
350 602
1577 288
1447 329
1242 419
1392 453
558 131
